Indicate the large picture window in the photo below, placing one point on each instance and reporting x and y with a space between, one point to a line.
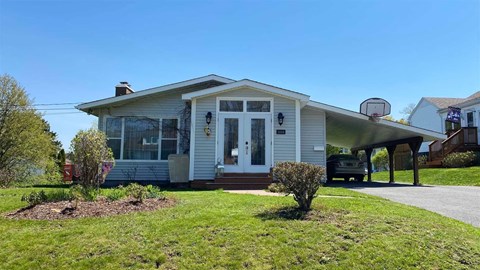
140 138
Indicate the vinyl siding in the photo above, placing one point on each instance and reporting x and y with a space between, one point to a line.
163 105
426 116
312 134
284 145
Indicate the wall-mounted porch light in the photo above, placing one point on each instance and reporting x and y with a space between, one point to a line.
280 118
208 118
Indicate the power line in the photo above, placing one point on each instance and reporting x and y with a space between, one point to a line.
46 104
61 113
54 109
56 104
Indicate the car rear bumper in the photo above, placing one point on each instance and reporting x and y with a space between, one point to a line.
342 171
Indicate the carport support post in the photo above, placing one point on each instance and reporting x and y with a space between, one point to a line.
391 151
415 146
369 151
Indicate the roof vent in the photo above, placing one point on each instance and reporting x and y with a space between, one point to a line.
124 88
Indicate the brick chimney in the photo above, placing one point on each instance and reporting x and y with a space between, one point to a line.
123 89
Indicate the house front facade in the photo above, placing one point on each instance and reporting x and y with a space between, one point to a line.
243 126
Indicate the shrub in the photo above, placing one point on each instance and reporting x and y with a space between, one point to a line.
35 198
300 179
59 195
89 150
154 192
459 160
78 192
116 194
277 188
38 197
138 192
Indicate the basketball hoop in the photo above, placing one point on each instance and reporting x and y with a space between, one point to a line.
375 108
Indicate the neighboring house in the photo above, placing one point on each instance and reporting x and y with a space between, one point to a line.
244 126
431 113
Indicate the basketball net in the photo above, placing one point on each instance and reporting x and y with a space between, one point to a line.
375 117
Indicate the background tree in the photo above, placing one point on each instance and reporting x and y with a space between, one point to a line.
89 150
332 150
26 147
380 159
401 120
408 110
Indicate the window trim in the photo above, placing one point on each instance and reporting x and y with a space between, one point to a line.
160 138
245 99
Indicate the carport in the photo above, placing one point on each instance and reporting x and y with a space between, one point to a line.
357 132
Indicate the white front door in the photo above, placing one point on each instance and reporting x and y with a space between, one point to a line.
245 142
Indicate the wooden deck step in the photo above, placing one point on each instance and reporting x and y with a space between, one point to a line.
239 186
434 164
246 180
243 175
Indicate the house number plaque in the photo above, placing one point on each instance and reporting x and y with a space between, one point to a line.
281 131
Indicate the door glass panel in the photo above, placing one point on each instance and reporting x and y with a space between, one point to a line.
231 105
470 119
230 142
258 142
258 106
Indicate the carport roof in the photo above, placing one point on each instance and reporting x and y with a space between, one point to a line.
353 130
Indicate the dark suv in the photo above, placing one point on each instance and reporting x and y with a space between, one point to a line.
346 167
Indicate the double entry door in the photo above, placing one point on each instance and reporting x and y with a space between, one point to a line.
245 142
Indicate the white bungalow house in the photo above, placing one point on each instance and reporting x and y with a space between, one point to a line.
244 125
431 113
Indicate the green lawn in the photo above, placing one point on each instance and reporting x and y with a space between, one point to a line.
216 230
444 176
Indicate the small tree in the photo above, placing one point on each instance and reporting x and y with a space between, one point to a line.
380 159
300 179
89 150
25 138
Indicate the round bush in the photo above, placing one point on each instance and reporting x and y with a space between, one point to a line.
459 160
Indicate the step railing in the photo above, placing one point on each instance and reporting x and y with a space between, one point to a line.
462 137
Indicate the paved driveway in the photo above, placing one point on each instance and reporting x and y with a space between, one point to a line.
458 202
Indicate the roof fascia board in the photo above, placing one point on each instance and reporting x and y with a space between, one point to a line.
154 90
382 121
246 83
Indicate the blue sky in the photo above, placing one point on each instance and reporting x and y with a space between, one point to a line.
338 52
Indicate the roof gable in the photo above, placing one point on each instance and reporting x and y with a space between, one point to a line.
248 83
151 91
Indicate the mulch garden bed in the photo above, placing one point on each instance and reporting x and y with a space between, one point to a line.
101 208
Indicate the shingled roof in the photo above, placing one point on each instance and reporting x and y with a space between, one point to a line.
443 103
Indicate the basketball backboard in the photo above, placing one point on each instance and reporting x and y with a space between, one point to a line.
375 107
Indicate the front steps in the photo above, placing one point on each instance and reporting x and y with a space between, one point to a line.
236 181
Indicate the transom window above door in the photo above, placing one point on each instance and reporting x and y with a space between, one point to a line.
245 106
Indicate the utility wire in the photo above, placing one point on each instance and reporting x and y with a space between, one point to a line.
63 113
54 109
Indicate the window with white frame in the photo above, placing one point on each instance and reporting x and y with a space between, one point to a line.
140 138
113 129
245 106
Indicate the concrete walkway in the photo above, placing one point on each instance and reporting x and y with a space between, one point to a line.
458 202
